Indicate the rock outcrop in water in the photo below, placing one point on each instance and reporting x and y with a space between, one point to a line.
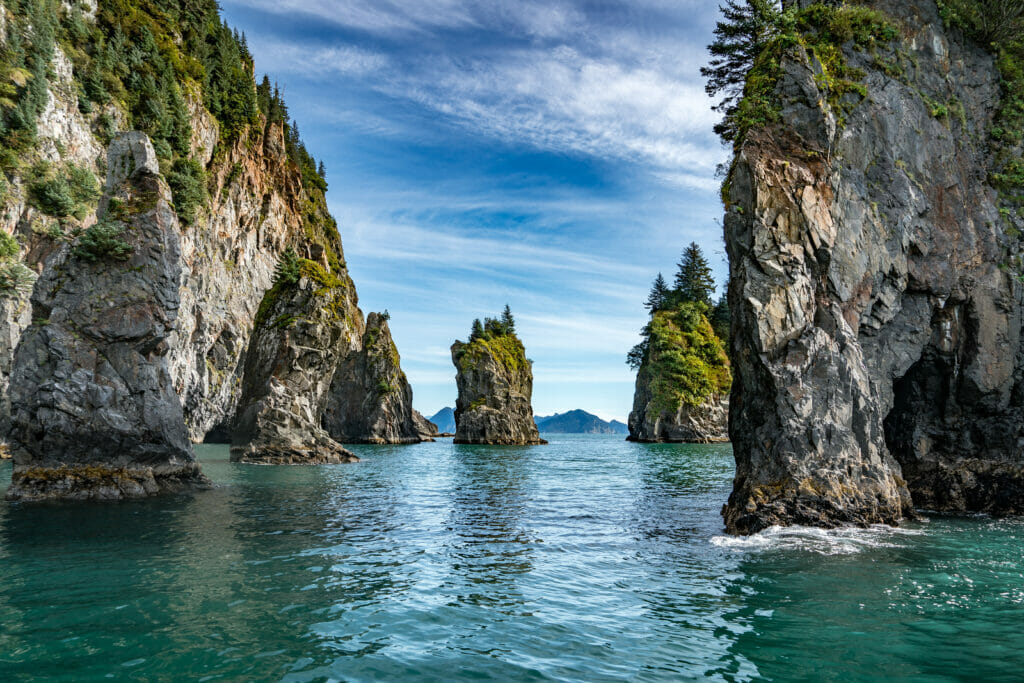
683 377
877 344
304 325
495 382
370 400
232 352
95 414
682 381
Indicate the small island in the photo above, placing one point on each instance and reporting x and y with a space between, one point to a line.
683 375
495 382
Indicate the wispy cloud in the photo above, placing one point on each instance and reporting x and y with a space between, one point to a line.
553 154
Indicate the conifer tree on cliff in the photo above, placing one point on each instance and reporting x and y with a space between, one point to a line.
745 29
694 281
658 298
508 323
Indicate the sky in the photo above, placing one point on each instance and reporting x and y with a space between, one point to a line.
554 155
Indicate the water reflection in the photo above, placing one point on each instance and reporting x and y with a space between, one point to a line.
488 546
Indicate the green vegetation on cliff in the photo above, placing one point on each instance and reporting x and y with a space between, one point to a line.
495 337
136 64
681 356
756 35
998 26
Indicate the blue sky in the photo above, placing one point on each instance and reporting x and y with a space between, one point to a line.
551 154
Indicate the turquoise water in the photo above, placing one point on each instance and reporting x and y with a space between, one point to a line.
588 559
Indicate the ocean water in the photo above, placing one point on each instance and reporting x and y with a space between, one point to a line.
589 559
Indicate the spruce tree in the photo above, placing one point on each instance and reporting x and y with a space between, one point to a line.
477 331
508 323
745 29
658 298
694 281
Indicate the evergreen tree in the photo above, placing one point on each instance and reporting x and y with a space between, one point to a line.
508 323
694 281
745 29
659 296
321 171
477 331
263 95
636 355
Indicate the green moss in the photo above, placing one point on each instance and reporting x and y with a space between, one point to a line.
685 363
506 349
822 31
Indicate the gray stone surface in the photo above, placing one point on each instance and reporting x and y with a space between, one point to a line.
493 405
94 413
876 340
706 423
370 400
291 360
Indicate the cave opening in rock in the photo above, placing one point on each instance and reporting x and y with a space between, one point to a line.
921 399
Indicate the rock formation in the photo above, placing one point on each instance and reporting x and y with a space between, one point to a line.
95 414
683 380
495 382
301 330
704 423
229 176
370 400
426 429
876 328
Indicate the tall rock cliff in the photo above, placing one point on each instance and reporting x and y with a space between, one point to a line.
227 170
370 400
304 325
876 332
95 415
495 382
682 383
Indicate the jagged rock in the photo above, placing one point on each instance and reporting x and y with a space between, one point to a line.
426 429
370 400
495 382
301 331
94 413
876 341
130 154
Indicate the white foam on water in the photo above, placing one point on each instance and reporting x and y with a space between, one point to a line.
841 541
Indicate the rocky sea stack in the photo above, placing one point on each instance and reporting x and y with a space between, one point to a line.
873 214
683 377
370 399
95 415
201 291
495 382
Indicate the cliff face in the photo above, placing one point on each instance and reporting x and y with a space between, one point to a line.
220 192
682 383
495 384
95 415
876 332
370 400
301 331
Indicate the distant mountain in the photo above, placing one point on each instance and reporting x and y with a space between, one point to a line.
578 422
445 420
